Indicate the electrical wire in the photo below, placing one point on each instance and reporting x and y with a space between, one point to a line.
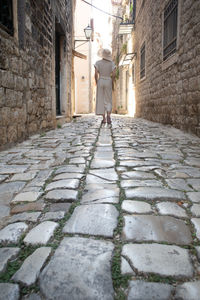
102 10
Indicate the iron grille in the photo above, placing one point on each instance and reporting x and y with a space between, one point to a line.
6 15
170 29
142 61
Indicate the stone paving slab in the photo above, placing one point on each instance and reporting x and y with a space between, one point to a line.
68 176
194 196
35 206
55 216
59 207
4 211
137 183
156 228
154 194
61 195
30 269
126 268
137 175
41 234
25 217
101 196
142 290
63 184
26 197
12 232
164 260
9 291
107 174
196 222
92 259
12 169
101 220
70 169
98 163
138 207
7 190
90 179
171 208
188 291
7 254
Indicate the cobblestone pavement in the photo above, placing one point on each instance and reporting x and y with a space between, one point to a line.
90 212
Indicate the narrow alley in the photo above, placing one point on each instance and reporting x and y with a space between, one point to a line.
90 212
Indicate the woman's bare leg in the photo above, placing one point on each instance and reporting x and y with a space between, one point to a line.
104 118
108 117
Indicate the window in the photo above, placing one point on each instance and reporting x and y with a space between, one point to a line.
170 29
6 15
142 62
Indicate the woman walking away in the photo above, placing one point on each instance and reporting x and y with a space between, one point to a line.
104 77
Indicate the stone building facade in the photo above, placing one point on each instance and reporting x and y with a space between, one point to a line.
166 66
35 66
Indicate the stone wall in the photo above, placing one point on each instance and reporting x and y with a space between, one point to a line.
170 91
27 68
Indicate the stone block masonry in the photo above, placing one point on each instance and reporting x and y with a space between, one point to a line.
27 68
170 91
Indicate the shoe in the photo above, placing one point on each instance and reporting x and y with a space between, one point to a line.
103 122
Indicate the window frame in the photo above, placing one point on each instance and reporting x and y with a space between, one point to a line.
9 29
170 27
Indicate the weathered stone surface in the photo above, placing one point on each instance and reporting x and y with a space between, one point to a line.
12 169
7 254
195 183
68 176
194 196
136 183
12 232
78 160
98 219
30 217
70 169
142 290
178 184
171 208
37 206
188 291
156 228
196 222
62 195
138 207
9 291
98 163
125 267
32 296
137 175
163 260
107 174
57 215
101 196
63 184
96 180
30 269
93 279
41 234
60 207
7 190
4 211
23 176
27 197
154 193
195 210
